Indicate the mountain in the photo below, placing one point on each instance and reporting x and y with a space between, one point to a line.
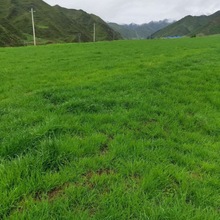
135 31
9 35
192 26
85 24
53 23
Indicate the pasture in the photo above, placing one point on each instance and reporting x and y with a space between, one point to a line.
111 130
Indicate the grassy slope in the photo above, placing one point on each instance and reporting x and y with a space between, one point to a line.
121 130
52 24
192 25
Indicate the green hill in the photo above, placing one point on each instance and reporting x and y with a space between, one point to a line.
192 26
84 25
53 24
9 36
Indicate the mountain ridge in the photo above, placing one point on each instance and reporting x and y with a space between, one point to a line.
53 23
139 31
192 26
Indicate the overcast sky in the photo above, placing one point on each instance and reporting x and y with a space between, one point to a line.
141 11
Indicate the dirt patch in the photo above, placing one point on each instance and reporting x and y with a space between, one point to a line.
104 148
52 194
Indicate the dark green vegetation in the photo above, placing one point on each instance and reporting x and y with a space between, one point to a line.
135 31
111 130
9 35
192 26
53 24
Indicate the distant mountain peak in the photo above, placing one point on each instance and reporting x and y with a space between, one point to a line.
139 31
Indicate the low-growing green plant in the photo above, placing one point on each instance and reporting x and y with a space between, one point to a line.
111 130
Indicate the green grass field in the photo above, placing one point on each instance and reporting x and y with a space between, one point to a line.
112 130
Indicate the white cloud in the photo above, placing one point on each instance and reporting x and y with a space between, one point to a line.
141 11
